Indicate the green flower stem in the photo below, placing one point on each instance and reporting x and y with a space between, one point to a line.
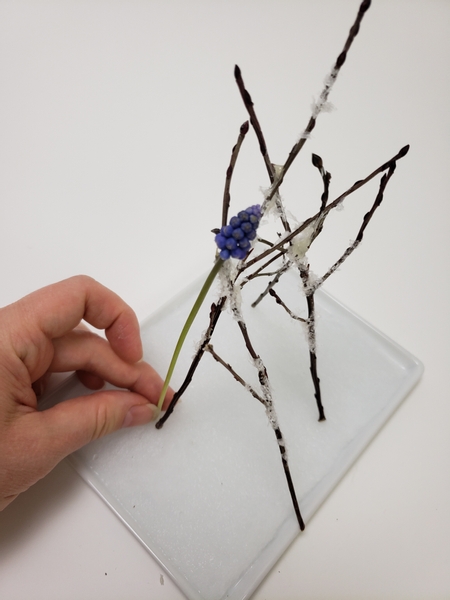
201 296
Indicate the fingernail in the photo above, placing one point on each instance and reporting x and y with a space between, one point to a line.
140 415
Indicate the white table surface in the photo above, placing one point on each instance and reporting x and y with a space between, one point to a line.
116 123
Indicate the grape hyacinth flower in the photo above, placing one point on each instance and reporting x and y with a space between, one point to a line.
234 241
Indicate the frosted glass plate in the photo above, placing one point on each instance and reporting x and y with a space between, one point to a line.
206 494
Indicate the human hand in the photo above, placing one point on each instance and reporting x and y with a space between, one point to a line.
41 334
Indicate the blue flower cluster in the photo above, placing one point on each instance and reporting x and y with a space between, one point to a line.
234 240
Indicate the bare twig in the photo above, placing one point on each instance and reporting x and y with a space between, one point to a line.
248 102
287 265
264 241
216 311
322 101
367 217
326 177
229 368
260 270
266 397
273 419
266 400
317 161
279 301
234 155
311 324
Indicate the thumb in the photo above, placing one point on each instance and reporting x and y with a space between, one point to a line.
70 425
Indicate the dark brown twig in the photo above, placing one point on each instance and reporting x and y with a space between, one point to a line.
234 155
318 163
311 324
209 348
215 312
326 177
287 265
248 102
321 103
260 270
270 410
264 241
279 301
266 400
367 217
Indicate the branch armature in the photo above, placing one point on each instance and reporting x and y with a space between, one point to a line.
289 249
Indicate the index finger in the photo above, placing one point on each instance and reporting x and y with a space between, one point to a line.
58 308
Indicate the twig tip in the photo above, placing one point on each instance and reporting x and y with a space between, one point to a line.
404 151
316 160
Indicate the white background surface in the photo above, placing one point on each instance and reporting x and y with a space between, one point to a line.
116 124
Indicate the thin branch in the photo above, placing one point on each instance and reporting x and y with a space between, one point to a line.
260 274
248 102
311 324
287 265
273 419
326 177
258 271
267 401
367 217
234 155
264 241
321 103
209 348
279 301
216 311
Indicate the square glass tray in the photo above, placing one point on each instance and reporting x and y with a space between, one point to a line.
206 494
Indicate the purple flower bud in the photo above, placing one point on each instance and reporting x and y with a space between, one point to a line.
231 244
227 230
246 227
239 254
244 243
220 241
